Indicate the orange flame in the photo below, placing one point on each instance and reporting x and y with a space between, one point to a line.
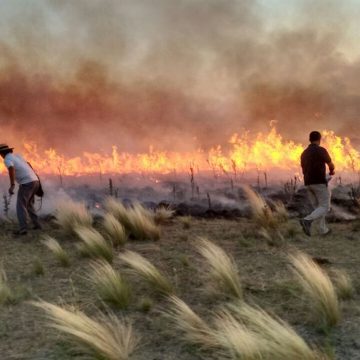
263 152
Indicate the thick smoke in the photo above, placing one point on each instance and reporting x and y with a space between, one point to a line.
86 74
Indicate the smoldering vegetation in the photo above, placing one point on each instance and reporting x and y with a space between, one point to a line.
172 74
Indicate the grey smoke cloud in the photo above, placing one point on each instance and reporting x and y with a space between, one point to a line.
175 74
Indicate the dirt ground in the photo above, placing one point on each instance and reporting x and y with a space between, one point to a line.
264 271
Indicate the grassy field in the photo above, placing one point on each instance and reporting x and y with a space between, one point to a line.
34 273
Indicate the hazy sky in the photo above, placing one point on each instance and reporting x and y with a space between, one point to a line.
176 73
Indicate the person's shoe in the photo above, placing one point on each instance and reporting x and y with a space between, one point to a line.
37 227
306 226
20 233
326 233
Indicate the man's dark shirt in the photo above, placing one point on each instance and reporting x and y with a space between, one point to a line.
313 163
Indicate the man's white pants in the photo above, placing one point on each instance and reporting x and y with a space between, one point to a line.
320 198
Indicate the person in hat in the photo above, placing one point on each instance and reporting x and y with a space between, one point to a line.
313 162
21 172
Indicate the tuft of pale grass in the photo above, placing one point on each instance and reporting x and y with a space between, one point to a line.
114 229
186 221
142 223
71 215
344 285
194 329
318 286
222 268
119 211
145 269
110 285
237 340
277 339
6 294
163 215
93 244
281 212
109 338
60 254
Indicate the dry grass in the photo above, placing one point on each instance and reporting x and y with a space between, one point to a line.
344 285
222 268
142 223
115 231
6 294
119 211
71 215
109 338
110 285
318 286
163 215
276 339
194 329
60 254
186 221
144 268
93 244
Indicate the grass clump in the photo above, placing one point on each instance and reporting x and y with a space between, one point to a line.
344 285
38 267
318 286
145 269
222 268
114 230
195 330
145 304
275 338
163 215
60 254
119 211
93 244
71 215
110 285
6 294
107 338
186 221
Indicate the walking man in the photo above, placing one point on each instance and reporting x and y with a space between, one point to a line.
313 162
28 181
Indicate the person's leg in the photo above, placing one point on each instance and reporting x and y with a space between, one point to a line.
325 200
30 206
21 211
322 194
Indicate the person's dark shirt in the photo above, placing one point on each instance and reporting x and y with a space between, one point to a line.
313 163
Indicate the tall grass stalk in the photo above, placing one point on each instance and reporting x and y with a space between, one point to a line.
222 268
60 254
108 338
319 288
71 215
145 269
93 244
110 285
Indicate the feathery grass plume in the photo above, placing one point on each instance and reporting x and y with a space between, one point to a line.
318 286
142 223
60 254
119 211
6 294
281 212
107 338
93 244
109 284
237 340
344 285
144 268
222 268
71 215
277 339
194 329
115 231
163 214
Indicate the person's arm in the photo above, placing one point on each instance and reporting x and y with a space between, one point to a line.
329 163
12 179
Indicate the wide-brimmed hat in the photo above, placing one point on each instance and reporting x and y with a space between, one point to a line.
5 147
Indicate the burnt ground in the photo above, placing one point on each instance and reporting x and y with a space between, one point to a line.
264 270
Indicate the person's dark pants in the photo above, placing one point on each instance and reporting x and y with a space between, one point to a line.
25 204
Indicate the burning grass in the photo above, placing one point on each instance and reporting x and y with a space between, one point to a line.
93 244
109 338
71 215
110 285
222 268
60 254
318 286
145 269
